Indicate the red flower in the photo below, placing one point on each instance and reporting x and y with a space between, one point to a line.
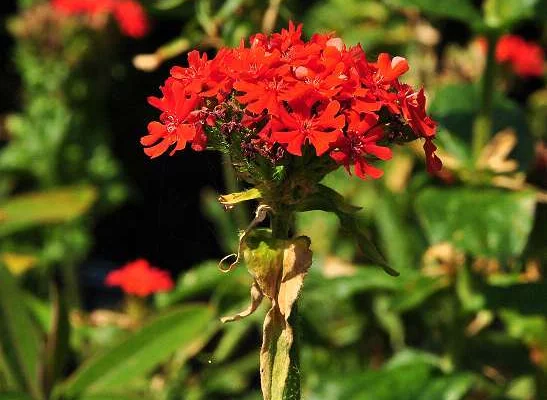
90 7
281 93
139 278
390 69
129 14
177 124
359 143
301 126
527 59
131 18
197 75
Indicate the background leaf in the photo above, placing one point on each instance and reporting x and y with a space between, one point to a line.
19 339
495 224
141 352
49 207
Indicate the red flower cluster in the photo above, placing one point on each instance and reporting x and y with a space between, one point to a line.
129 14
290 93
526 58
139 278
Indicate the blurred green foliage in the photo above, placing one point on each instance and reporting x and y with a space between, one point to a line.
466 318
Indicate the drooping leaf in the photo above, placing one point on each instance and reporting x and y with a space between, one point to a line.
141 352
327 199
54 206
490 222
19 338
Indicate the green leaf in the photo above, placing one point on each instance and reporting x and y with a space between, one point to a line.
15 396
462 10
506 13
402 383
165 5
394 231
50 207
452 387
490 222
141 352
415 291
327 199
455 107
19 339
57 343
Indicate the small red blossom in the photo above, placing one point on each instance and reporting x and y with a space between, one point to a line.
139 278
300 126
359 144
281 93
177 124
129 14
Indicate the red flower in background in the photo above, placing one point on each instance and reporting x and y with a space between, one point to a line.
139 278
129 14
131 18
527 59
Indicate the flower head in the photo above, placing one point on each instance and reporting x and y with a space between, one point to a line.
265 102
139 278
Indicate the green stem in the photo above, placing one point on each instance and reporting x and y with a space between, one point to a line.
232 186
72 286
482 127
281 225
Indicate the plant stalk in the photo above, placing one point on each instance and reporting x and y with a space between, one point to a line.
232 186
482 127
281 225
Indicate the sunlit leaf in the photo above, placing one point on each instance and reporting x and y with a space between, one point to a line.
49 207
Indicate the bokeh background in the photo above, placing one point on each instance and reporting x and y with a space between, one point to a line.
78 198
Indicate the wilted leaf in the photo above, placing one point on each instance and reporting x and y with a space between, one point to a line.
278 268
